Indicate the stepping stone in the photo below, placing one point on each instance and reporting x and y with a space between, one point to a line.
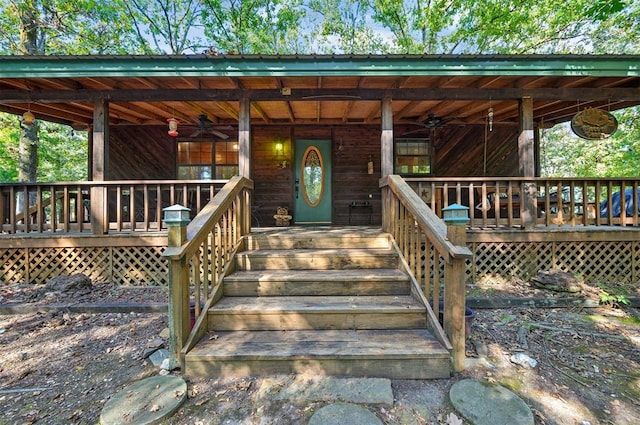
145 402
483 403
344 413
326 388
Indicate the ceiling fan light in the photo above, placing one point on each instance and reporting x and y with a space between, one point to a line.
173 127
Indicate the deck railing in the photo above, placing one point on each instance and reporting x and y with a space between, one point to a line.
434 254
125 206
200 255
504 201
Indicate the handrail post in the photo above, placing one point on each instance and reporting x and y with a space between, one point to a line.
454 287
178 285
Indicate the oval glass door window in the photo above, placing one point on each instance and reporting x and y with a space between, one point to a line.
312 176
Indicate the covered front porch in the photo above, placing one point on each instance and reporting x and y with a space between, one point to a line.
388 142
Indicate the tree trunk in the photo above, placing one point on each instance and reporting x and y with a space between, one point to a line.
28 163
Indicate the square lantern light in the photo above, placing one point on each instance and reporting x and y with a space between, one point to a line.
176 215
456 215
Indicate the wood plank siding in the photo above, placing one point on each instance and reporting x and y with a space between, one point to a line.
148 153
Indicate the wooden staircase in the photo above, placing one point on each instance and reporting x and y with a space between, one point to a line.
318 300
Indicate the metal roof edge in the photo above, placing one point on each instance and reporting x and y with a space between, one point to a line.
317 65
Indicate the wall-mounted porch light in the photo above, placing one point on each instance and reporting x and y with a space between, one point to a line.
173 127
455 215
279 149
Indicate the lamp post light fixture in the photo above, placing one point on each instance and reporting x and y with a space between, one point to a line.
176 217
456 215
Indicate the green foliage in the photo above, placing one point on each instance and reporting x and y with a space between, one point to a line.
611 299
62 27
318 26
346 28
62 152
9 141
162 26
565 154
245 27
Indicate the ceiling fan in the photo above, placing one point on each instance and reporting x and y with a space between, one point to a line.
432 123
205 126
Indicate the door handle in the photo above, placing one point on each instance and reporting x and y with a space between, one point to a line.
297 188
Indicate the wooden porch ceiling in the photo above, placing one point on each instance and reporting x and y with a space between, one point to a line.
327 98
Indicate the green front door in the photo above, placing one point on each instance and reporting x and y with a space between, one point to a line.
312 182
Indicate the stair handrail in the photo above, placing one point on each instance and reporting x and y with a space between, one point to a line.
200 261
434 255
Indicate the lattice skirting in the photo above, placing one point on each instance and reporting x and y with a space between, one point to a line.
137 265
596 262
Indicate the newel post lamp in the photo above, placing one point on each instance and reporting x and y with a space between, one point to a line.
176 217
456 217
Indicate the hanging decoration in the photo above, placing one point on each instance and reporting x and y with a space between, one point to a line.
490 116
28 118
594 124
173 127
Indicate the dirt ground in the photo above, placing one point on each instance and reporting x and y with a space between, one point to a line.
61 367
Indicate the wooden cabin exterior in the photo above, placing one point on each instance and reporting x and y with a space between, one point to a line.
393 141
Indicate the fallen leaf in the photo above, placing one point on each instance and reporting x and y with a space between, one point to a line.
154 408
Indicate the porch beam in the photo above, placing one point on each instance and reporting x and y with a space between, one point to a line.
631 94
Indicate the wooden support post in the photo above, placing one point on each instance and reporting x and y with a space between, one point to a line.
526 160
99 170
178 297
386 155
244 138
454 298
386 138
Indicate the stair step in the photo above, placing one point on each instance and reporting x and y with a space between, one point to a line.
397 354
311 282
317 312
316 259
323 237
329 301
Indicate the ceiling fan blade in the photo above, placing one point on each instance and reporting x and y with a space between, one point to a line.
196 133
420 130
218 134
